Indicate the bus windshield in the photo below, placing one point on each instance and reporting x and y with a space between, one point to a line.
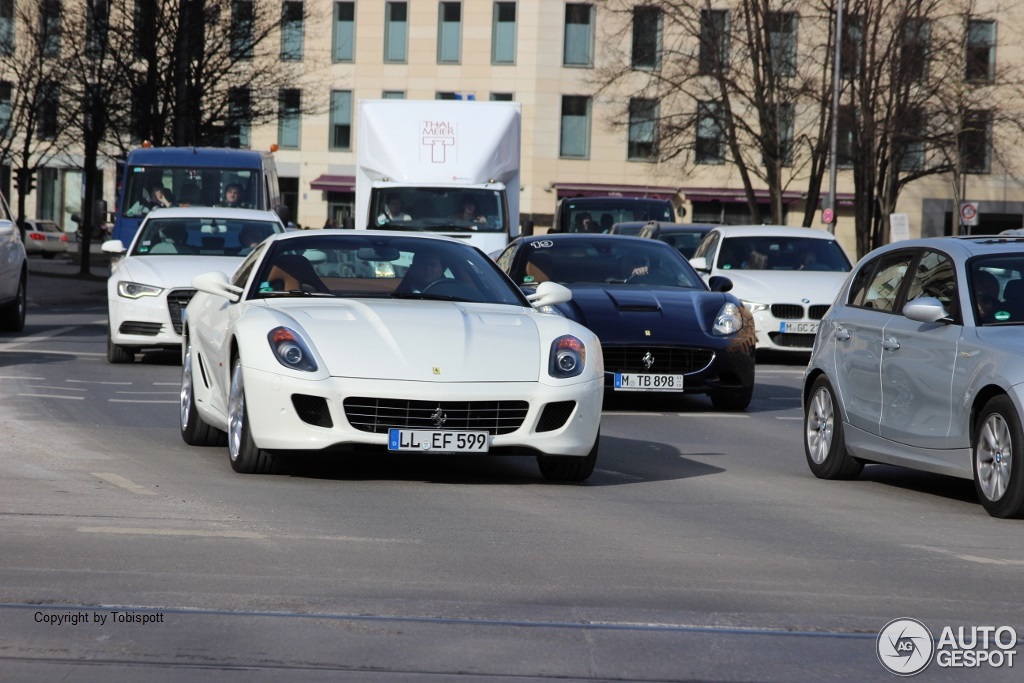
150 187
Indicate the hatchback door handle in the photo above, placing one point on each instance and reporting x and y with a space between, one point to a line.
890 344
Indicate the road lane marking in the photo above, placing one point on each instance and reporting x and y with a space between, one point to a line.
40 386
137 400
6 349
149 393
166 532
642 414
87 381
621 474
978 559
70 398
796 417
166 384
127 484
30 379
22 341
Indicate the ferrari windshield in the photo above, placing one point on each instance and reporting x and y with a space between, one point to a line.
605 260
375 265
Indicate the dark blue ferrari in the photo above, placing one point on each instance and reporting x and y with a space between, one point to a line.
661 328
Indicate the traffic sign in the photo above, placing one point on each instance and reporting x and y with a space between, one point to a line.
969 213
827 216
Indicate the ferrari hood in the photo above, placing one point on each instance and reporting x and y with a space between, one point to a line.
785 286
173 271
435 341
609 310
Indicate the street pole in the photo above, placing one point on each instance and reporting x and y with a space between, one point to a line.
837 61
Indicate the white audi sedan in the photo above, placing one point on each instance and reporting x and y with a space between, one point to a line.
390 342
150 285
786 276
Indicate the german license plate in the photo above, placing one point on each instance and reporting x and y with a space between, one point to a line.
799 328
427 441
628 381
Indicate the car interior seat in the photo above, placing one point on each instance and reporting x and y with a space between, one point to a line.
1013 297
294 272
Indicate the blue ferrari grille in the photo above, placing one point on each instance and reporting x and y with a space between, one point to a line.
664 359
378 415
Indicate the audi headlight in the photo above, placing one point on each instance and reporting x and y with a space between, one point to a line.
754 307
290 351
729 320
568 357
134 290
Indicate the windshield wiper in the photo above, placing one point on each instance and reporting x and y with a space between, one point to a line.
295 292
429 297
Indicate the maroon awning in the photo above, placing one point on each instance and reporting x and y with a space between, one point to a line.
599 190
736 195
335 183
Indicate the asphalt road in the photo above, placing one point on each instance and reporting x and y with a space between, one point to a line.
701 548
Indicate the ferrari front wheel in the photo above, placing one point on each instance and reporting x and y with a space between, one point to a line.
569 467
245 457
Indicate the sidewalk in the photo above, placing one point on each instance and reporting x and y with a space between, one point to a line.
56 281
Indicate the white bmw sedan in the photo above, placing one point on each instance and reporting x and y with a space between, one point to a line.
151 284
341 341
786 276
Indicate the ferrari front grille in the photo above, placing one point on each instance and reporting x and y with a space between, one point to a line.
378 415
662 359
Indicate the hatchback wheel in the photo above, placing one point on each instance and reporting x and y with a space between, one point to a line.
824 445
998 440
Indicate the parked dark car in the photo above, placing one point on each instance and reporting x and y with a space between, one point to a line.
662 329
683 236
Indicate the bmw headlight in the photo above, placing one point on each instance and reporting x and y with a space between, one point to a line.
290 351
754 307
568 357
729 320
134 290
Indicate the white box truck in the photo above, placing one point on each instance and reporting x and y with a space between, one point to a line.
444 166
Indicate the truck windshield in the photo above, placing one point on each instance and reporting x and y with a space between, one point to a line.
439 209
149 187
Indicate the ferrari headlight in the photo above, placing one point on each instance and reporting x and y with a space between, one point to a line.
290 350
134 290
754 307
568 357
729 320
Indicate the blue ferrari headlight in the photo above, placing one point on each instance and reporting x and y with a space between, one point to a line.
568 357
728 321
290 350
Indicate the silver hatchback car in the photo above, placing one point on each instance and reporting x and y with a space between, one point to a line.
920 363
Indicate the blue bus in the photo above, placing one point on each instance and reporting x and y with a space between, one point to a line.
194 176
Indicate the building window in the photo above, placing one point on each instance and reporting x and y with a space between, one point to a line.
981 52
501 97
976 142
503 33
291 30
5 108
49 27
454 96
289 105
643 130
710 144
343 47
47 118
714 41
6 27
909 142
396 31
575 133
144 26
97 27
579 35
239 117
449 32
846 122
647 38
853 45
784 121
393 95
242 29
782 42
914 50
341 119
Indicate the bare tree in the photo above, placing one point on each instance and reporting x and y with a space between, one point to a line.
34 133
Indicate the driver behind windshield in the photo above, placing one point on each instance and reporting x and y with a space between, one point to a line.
425 269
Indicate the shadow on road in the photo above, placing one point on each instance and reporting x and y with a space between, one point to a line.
953 488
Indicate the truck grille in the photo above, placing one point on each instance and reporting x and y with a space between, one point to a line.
667 359
377 415
177 300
